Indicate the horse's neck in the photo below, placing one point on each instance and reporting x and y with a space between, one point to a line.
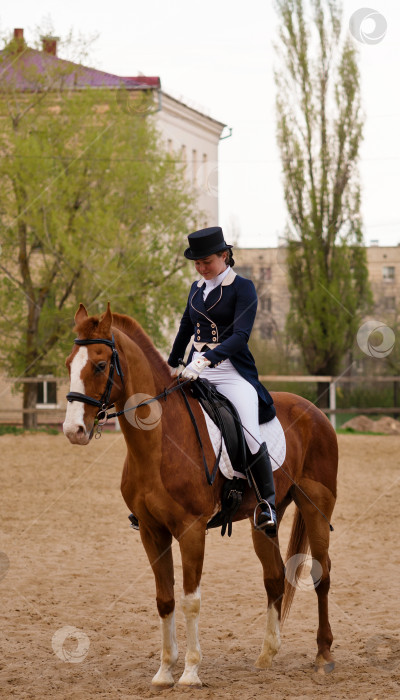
139 375
144 365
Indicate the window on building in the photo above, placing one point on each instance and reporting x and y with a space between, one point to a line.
390 303
388 272
46 394
266 303
265 274
244 270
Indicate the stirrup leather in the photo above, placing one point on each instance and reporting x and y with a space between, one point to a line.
266 523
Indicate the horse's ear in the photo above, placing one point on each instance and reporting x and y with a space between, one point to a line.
81 314
106 320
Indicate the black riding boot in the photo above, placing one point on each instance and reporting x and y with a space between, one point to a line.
260 470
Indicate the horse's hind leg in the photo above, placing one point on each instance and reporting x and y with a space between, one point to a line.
267 550
318 535
191 543
158 548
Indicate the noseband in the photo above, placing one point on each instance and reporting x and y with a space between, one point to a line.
104 403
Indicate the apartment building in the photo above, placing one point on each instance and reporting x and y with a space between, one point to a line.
267 268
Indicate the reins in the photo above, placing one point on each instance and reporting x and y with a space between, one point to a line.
210 477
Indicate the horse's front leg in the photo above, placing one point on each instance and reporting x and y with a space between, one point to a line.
158 548
191 543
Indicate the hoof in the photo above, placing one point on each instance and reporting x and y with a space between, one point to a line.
322 666
163 679
162 685
190 680
263 661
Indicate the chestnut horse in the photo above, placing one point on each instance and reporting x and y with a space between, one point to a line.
164 483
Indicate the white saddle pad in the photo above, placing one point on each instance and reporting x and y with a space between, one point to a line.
271 432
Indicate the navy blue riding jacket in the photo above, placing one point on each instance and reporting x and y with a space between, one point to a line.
223 323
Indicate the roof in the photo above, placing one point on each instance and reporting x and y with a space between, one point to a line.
21 71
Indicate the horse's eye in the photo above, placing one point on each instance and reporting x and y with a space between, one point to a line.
100 367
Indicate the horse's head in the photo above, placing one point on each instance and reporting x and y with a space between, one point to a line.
91 366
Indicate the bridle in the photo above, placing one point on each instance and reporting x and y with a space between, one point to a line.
104 403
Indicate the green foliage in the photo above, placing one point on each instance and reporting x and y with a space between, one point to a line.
92 209
15 430
319 134
351 431
274 357
365 395
10 430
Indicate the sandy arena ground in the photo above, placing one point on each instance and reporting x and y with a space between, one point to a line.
74 562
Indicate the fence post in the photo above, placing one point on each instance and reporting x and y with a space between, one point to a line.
332 402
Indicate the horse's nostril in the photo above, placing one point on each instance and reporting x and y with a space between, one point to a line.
80 430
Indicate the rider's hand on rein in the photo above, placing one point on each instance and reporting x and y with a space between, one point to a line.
193 370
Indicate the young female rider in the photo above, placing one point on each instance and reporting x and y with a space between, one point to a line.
220 314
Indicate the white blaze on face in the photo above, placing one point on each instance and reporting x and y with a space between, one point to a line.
75 409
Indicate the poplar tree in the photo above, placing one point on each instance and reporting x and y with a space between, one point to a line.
319 132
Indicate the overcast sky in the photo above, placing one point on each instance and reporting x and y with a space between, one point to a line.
217 56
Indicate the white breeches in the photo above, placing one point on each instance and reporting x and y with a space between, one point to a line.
243 395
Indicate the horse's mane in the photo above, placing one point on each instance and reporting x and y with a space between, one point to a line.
135 332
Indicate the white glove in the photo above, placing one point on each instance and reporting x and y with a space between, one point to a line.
193 370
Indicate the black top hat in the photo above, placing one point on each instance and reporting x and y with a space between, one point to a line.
205 242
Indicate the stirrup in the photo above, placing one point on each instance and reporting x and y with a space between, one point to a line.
134 521
269 527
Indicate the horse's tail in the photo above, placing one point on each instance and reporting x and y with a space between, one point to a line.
298 544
